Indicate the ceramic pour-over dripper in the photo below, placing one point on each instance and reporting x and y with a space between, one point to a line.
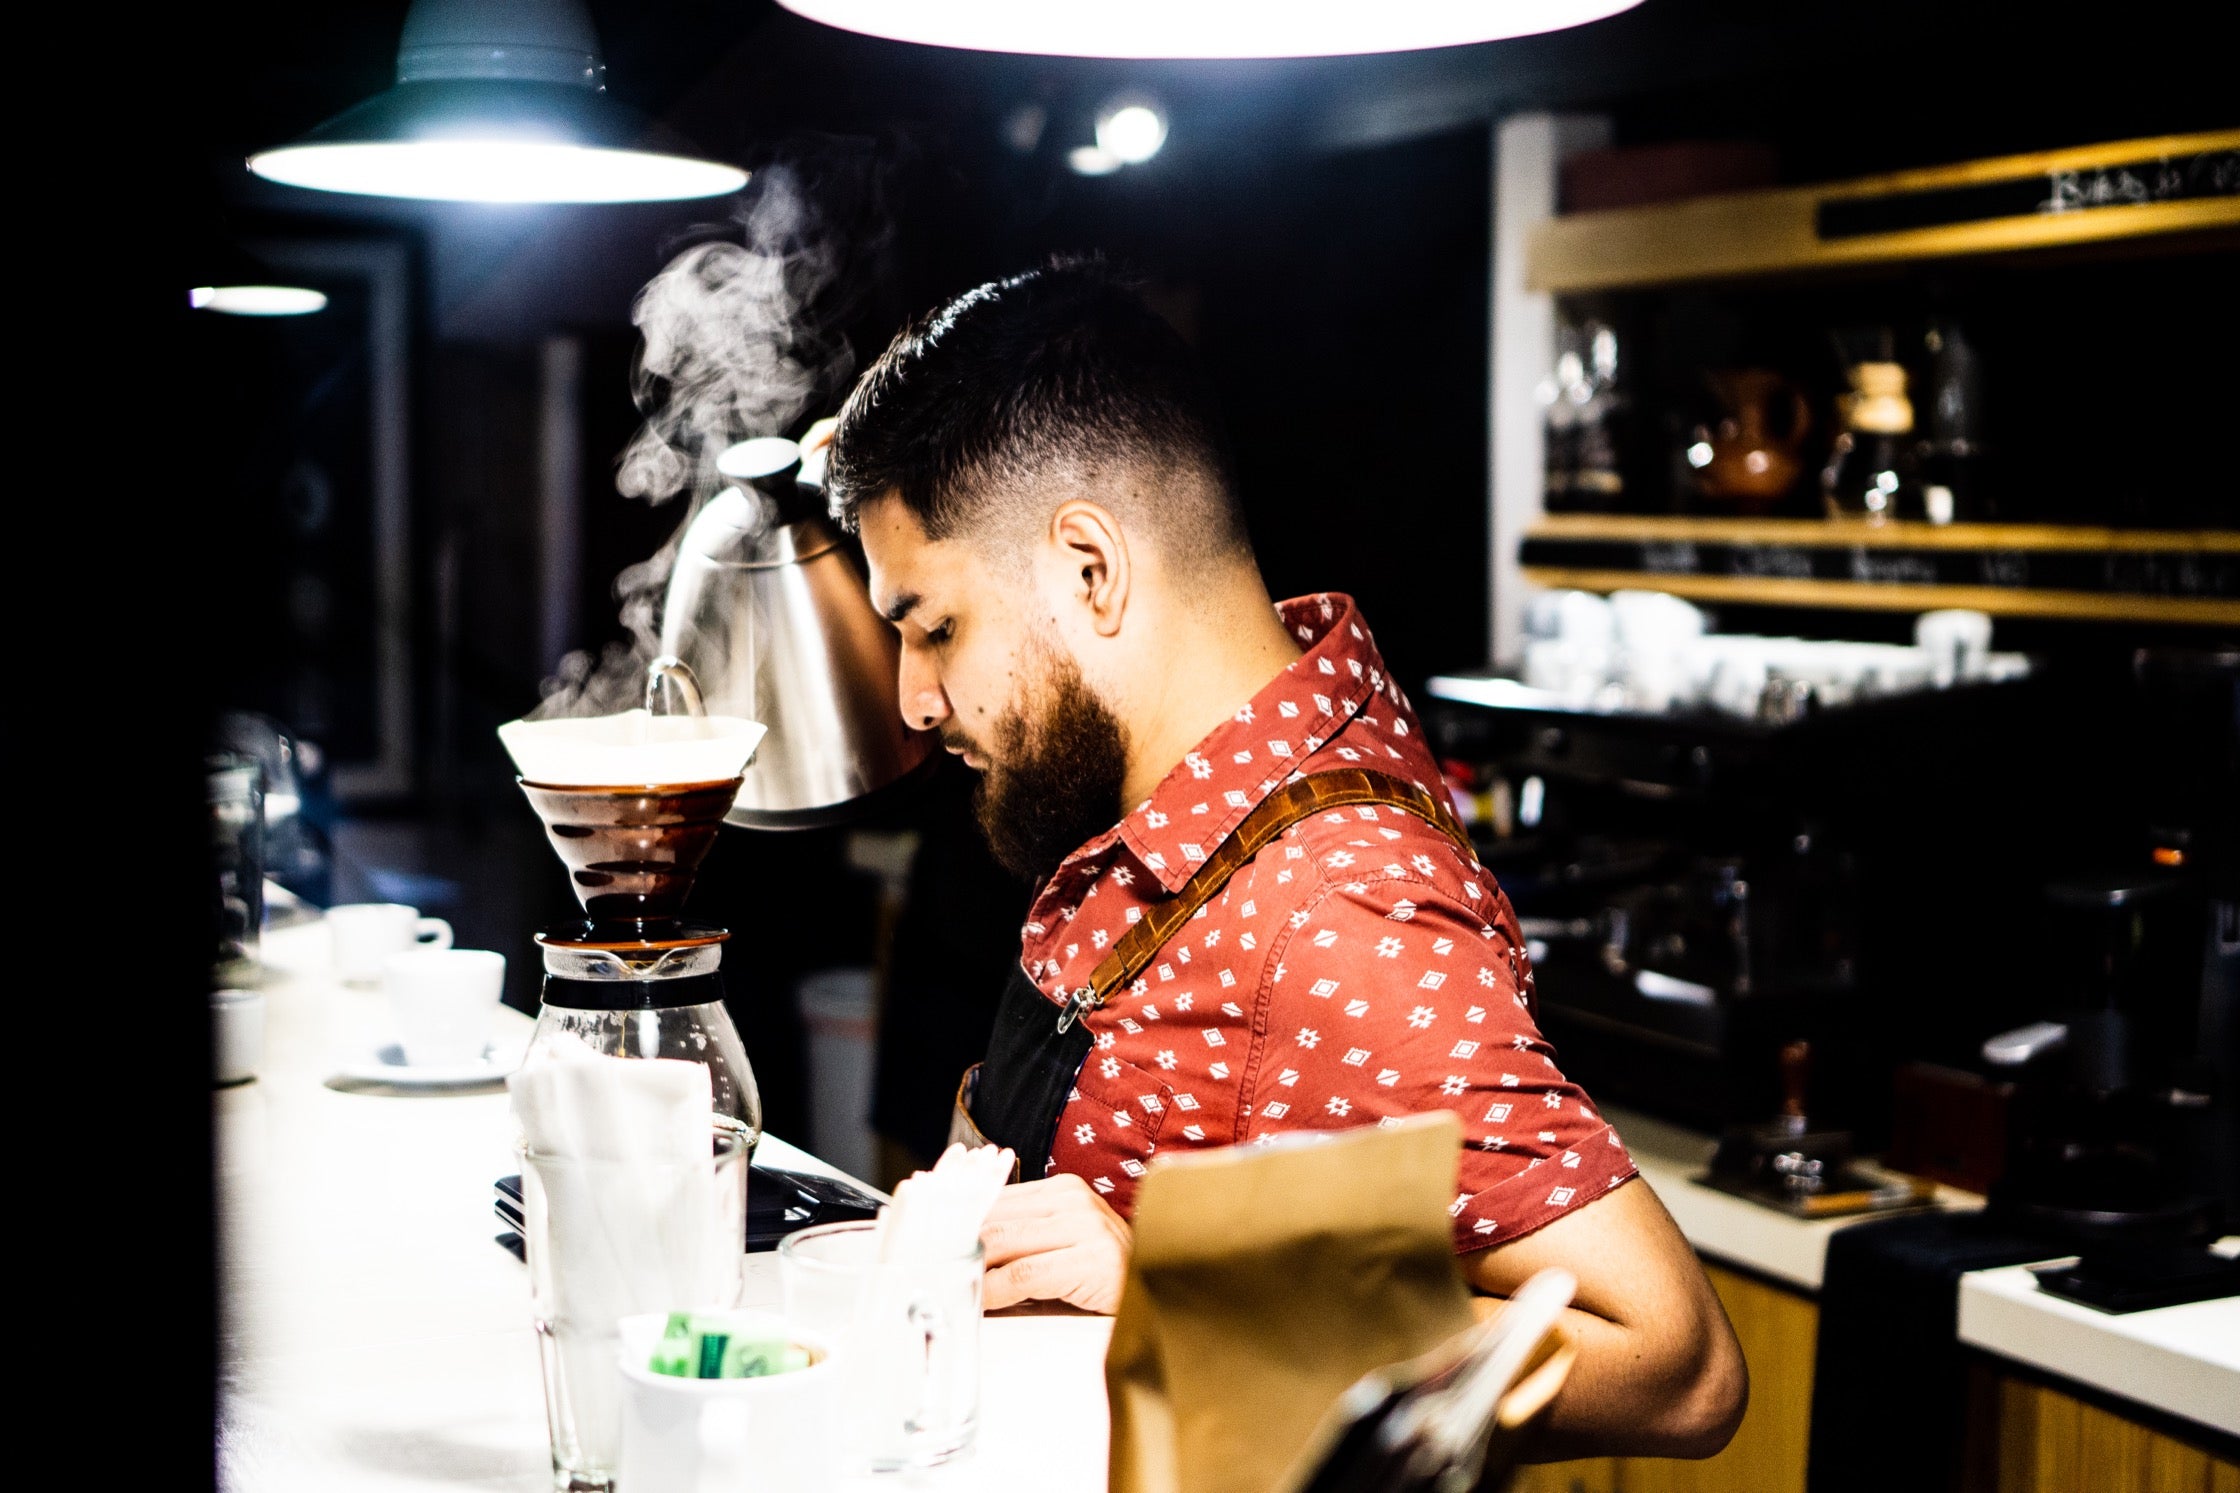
632 852
632 802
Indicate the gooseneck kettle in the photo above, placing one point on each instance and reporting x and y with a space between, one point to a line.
768 608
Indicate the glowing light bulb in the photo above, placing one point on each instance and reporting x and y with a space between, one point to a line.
1093 160
1131 130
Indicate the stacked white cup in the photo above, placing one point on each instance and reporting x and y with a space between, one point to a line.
441 1002
367 933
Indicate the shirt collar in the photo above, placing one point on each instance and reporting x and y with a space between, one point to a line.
1211 790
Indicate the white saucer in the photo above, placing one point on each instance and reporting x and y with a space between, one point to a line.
386 1065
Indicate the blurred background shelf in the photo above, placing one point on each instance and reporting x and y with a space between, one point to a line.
1839 595
2184 577
1996 206
1812 533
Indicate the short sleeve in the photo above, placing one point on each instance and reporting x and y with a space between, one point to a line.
1389 997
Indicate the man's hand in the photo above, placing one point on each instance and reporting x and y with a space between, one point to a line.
1055 1240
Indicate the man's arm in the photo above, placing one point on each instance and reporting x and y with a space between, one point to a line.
1659 1372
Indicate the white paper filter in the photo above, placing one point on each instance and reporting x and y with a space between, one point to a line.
633 748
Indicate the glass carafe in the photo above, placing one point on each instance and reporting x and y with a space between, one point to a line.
652 1004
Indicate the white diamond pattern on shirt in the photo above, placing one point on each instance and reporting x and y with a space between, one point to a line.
1347 934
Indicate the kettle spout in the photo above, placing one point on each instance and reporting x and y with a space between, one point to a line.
669 675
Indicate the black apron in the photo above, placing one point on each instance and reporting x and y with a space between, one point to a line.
1036 1050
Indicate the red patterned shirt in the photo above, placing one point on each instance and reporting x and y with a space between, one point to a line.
1359 968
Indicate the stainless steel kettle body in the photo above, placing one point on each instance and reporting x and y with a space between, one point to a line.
775 620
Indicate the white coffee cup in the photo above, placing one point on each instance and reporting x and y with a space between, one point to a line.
1957 642
721 1435
236 1035
367 933
441 1000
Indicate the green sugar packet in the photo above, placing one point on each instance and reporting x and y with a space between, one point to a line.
689 1349
753 1359
678 1352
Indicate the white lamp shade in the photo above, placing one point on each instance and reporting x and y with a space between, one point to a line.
494 140
497 101
1202 28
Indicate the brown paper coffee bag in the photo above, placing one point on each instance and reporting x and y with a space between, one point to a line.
1264 1281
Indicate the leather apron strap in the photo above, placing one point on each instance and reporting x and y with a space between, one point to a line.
1036 1049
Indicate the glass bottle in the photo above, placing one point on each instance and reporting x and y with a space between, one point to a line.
1871 472
1951 448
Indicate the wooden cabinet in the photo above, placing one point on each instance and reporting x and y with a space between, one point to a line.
2024 1435
1597 1476
1778 1330
2027 1436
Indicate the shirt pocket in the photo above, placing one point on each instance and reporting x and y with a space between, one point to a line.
1111 1126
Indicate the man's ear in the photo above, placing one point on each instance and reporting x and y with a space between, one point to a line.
1094 551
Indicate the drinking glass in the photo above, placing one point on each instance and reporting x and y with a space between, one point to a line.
236 798
907 1335
611 1239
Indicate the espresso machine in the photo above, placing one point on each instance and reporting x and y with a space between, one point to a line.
2125 1116
1700 892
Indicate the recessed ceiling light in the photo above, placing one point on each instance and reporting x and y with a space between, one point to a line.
257 300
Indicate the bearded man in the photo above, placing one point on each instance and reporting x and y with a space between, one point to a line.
1255 914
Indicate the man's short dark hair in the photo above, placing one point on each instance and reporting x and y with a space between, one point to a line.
1060 371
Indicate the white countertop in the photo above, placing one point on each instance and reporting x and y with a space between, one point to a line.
2181 1359
375 1337
1723 1226
2184 1360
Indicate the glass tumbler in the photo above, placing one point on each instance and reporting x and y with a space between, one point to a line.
612 1239
907 1341
235 794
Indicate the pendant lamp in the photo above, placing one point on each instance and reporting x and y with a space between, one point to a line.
498 101
1202 28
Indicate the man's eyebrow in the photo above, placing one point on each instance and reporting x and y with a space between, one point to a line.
901 607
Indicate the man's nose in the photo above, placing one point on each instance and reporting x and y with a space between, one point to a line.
925 705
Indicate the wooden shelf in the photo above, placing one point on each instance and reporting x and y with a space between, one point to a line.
1865 596
1813 533
1790 230
2186 577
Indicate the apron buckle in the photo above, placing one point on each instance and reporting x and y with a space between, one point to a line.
1076 1007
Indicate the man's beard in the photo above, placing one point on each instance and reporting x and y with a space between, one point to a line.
1054 783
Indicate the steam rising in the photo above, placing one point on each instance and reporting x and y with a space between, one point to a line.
741 339
728 354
